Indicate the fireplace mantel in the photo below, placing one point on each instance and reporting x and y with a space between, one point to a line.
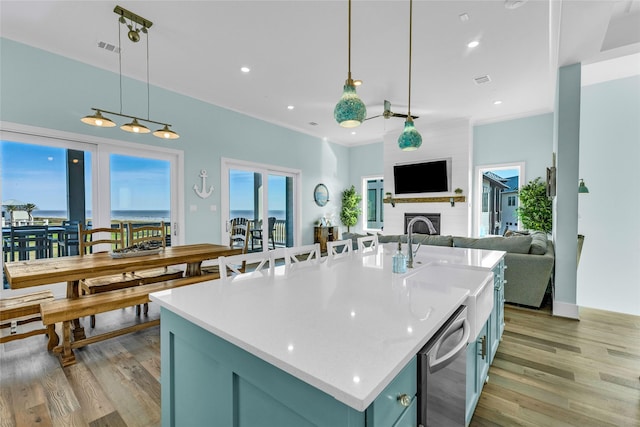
445 199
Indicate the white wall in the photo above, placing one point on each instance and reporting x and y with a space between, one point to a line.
442 140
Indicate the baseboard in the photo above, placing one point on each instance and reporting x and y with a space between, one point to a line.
565 309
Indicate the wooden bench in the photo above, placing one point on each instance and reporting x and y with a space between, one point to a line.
22 309
67 309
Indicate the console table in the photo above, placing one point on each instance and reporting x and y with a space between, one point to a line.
323 235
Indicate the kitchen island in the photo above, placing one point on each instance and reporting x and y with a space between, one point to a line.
331 344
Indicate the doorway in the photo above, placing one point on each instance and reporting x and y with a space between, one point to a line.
496 190
266 197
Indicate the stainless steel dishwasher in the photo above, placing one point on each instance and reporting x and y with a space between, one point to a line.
442 366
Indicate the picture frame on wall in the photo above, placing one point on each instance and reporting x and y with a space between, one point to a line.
551 181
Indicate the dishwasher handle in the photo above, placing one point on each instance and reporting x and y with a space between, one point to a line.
435 364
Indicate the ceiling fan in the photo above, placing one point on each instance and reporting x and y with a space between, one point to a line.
387 113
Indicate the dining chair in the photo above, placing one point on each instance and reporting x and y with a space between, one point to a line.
150 236
339 248
88 241
69 241
256 233
306 254
244 263
29 241
239 235
238 239
368 244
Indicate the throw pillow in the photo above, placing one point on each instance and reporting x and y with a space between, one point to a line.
433 240
515 244
538 243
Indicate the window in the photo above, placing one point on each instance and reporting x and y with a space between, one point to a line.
92 182
485 199
373 202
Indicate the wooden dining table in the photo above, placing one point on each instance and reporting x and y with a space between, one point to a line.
72 269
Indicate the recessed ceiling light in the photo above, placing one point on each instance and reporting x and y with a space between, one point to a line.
463 17
498 102
357 82
290 107
514 4
473 44
245 69
353 132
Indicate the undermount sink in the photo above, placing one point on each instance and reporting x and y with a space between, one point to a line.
478 282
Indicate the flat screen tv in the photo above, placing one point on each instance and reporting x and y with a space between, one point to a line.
425 177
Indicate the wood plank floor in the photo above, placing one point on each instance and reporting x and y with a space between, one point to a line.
548 372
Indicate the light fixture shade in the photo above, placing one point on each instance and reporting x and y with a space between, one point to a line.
166 133
135 127
350 111
410 138
98 120
581 187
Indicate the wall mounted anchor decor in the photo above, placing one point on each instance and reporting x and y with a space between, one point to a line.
203 193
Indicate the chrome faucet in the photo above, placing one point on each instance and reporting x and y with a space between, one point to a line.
410 236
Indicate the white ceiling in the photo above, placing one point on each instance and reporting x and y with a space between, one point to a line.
297 52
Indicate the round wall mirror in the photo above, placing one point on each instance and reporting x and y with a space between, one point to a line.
321 194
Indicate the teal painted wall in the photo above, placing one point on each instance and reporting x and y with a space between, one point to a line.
49 91
565 204
609 268
528 140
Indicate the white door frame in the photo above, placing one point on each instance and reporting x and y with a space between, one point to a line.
480 170
226 164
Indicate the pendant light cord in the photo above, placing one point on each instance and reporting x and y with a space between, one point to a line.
148 102
120 62
349 50
410 32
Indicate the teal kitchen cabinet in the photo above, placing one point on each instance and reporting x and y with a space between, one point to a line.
209 381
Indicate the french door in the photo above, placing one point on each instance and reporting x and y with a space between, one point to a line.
266 197
93 180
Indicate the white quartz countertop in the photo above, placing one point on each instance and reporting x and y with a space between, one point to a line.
346 327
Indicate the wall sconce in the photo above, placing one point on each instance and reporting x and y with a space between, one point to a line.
582 188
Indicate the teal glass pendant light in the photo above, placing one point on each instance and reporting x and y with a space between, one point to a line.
410 139
350 111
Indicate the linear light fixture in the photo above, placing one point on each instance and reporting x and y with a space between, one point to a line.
136 25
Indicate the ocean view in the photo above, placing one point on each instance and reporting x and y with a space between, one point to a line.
149 215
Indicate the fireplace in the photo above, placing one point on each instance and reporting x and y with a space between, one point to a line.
421 227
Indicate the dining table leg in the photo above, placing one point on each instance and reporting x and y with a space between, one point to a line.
73 291
193 269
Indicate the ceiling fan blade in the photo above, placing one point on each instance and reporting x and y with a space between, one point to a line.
372 117
387 105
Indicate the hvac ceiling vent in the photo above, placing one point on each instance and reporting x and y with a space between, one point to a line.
109 47
482 80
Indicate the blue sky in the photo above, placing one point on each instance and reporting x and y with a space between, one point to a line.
37 174
241 190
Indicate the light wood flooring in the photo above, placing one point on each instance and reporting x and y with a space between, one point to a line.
548 372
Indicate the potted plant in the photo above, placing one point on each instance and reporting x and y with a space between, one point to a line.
535 209
350 207
458 191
